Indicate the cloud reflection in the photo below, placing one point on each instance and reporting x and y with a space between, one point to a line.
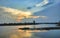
20 34
24 33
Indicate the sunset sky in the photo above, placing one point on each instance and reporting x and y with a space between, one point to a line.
28 10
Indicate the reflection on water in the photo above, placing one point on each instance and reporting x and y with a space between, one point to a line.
14 32
21 34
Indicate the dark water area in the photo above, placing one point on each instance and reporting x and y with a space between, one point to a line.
14 32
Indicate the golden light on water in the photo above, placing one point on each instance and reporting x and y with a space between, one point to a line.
24 33
21 33
14 36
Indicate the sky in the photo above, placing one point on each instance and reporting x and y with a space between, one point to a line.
29 10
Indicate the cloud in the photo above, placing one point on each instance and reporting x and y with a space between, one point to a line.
40 6
15 11
42 3
18 15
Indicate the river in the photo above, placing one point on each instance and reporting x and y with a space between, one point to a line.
14 32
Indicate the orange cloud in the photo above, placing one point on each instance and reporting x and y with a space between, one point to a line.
19 14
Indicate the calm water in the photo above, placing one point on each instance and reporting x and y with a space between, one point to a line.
14 32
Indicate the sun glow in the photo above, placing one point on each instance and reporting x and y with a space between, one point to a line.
19 14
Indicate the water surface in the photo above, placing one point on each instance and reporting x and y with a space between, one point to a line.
14 32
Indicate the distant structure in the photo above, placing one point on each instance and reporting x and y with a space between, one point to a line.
58 24
34 21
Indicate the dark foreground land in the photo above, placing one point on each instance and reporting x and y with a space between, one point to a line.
15 24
